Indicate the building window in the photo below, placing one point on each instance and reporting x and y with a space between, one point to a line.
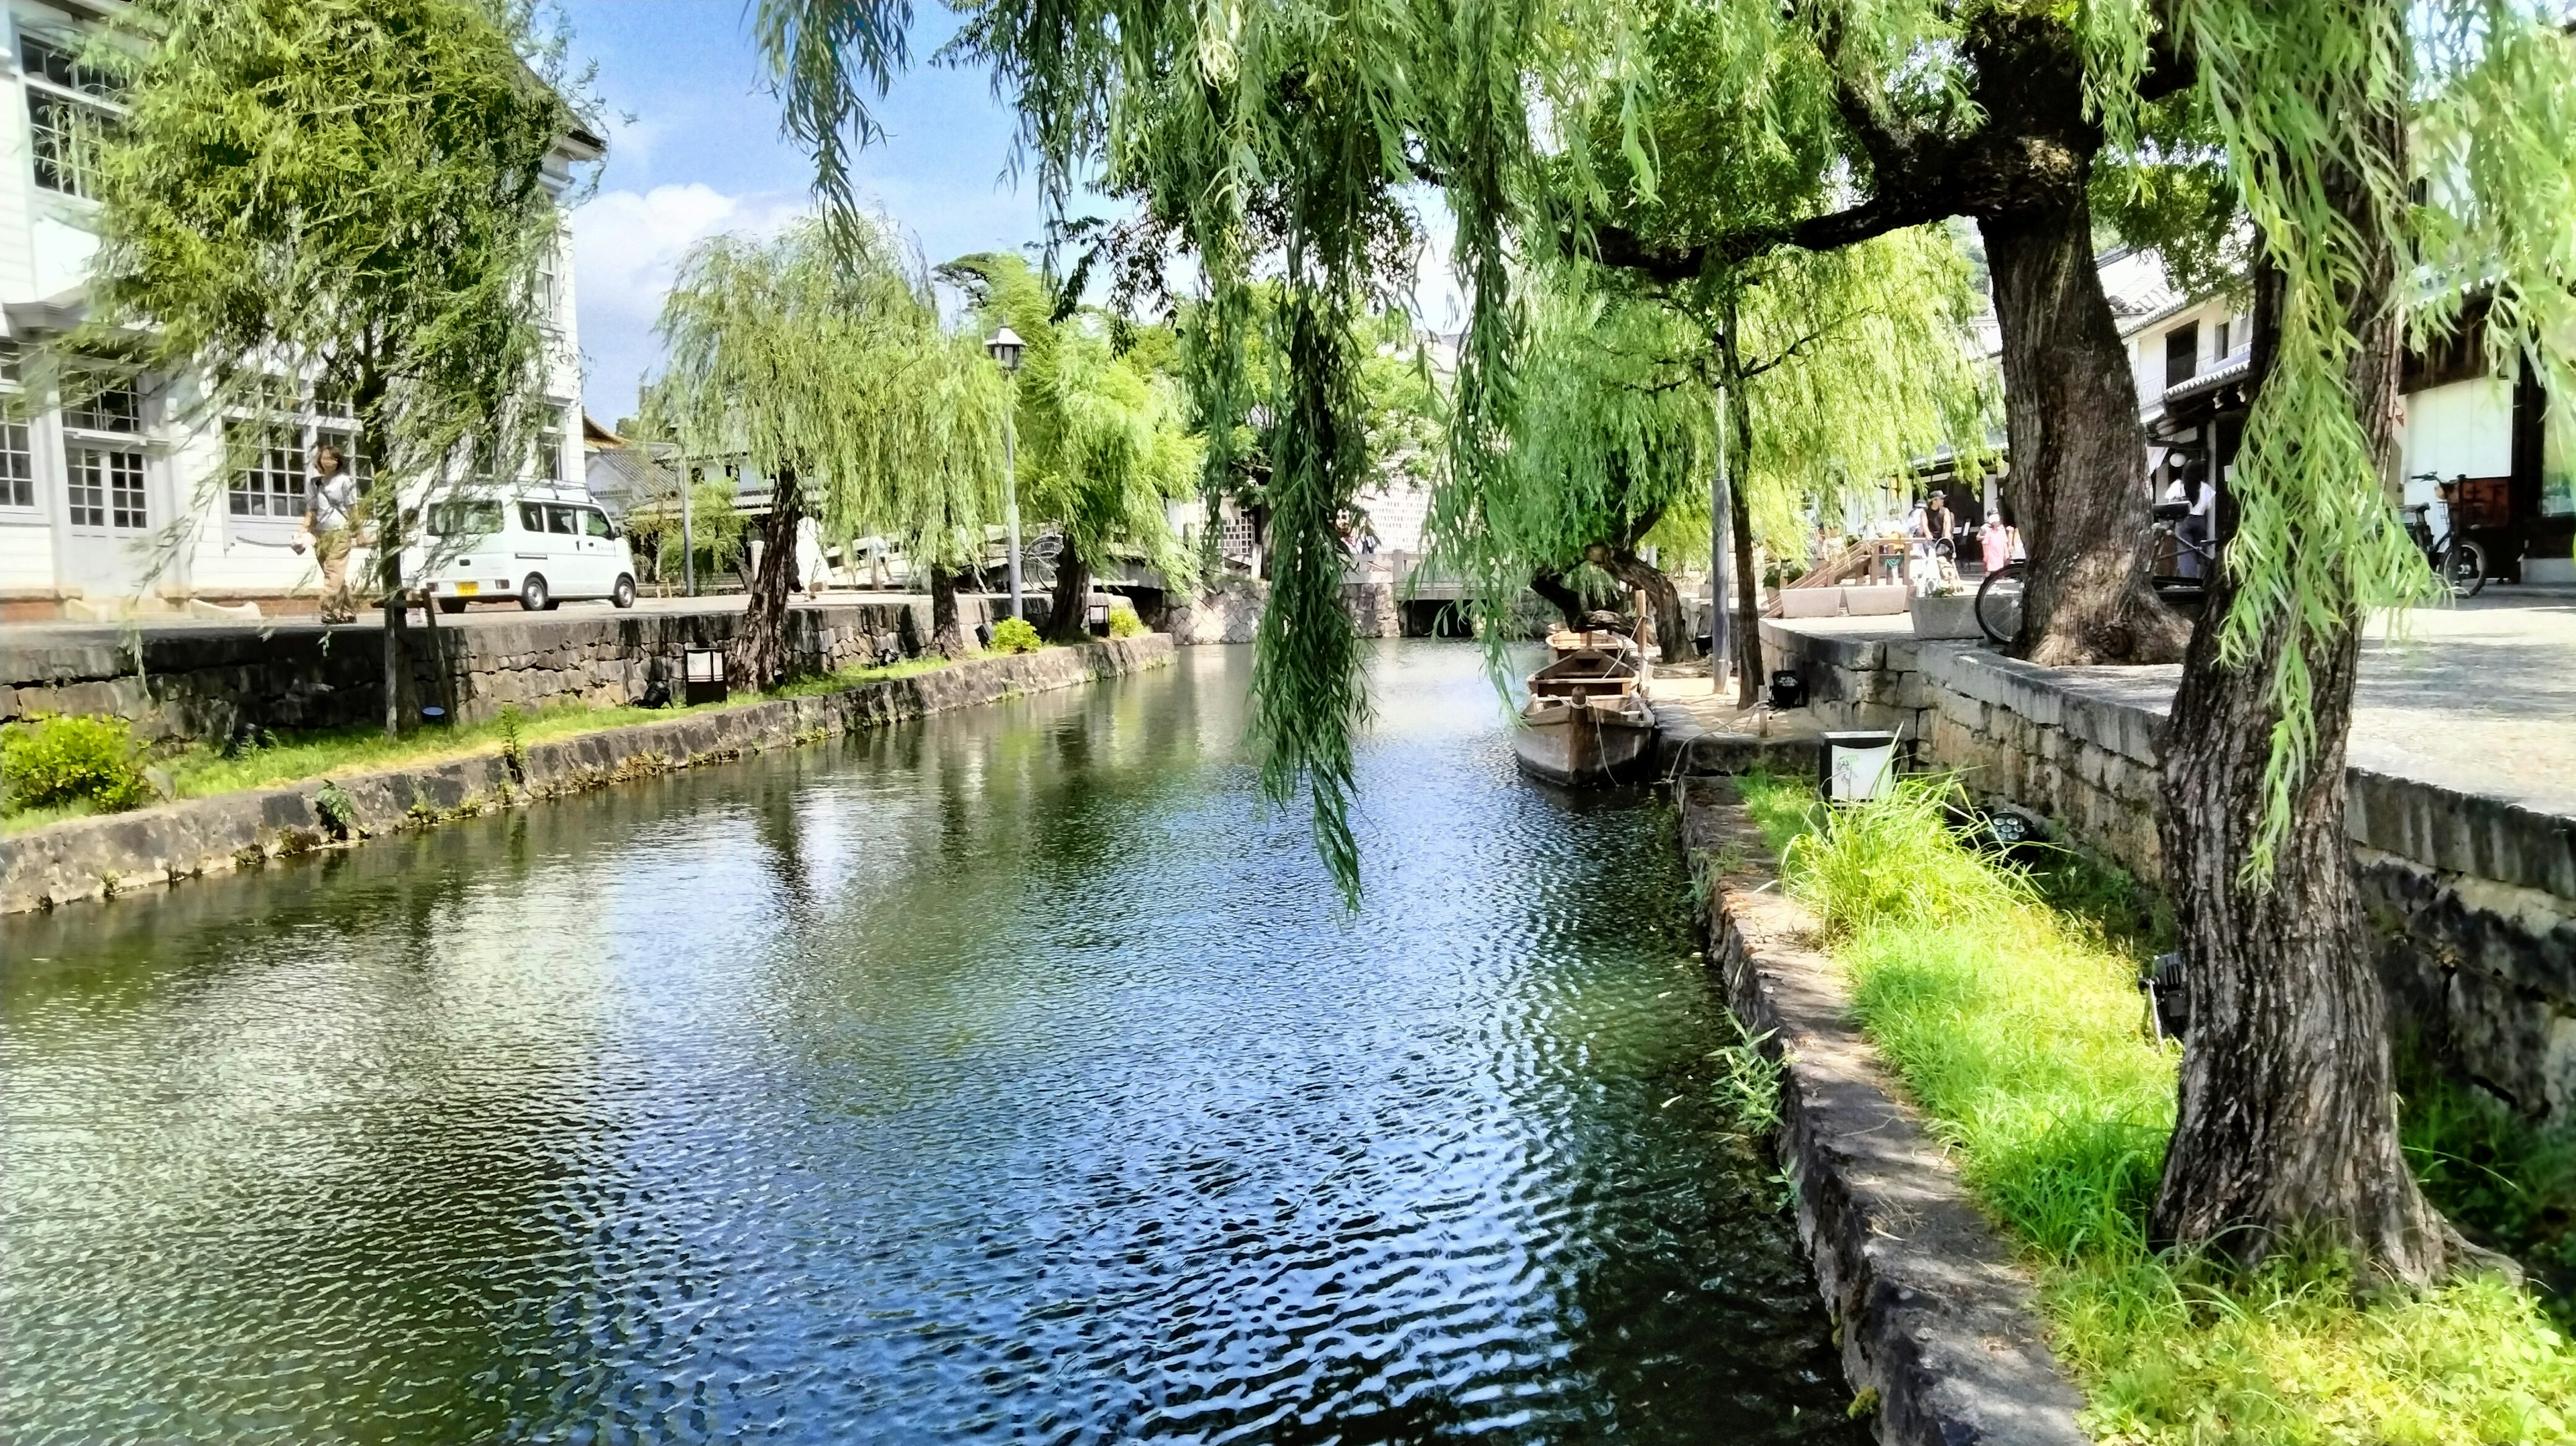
106 488
69 105
549 288
103 403
271 481
17 466
2182 353
550 453
17 456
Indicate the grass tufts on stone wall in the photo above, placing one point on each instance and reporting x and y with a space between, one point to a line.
200 771
2004 999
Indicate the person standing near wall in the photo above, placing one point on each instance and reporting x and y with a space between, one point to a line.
2194 529
330 518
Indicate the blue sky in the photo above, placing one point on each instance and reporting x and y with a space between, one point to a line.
694 149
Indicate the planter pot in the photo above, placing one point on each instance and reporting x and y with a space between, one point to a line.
1954 616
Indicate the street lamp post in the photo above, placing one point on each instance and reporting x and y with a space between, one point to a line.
1004 346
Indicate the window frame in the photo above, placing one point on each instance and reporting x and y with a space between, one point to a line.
17 443
76 176
109 510
2182 345
307 415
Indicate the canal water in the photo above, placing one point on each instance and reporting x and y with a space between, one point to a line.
1012 1074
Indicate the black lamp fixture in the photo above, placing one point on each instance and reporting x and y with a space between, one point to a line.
1005 346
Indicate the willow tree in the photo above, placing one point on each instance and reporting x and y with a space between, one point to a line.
1839 371
1272 141
347 196
1285 133
1836 372
1614 439
2287 1128
818 358
1821 126
1102 445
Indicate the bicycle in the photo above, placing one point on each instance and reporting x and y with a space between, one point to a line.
1999 597
2460 562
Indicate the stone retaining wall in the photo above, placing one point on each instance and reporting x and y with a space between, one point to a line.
203 681
2473 897
1935 1322
89 858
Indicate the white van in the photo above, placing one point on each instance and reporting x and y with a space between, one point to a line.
539 544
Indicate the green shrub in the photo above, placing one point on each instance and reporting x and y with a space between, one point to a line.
1123 623
56 761
1014 635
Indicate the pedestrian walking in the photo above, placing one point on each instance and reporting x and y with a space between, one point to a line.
330 522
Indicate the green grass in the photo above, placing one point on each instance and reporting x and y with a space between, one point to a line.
201 772
2004 998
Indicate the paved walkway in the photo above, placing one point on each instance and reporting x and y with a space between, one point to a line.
2479 697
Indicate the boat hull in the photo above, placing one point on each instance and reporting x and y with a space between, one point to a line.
1586 747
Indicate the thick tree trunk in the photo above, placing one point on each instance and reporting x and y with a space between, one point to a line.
762 660
2078 483
947 634
1068 615
2287 1131
1551 586
397 655
1748 605
1672 633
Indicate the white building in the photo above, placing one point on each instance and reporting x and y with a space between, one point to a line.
82 491
2511 469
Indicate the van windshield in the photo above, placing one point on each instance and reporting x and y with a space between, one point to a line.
464 519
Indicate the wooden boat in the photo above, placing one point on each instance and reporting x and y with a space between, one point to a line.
1586 722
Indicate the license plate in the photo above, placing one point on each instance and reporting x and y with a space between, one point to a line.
468 589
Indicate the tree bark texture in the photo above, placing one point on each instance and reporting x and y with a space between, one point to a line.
2078 482
763 660
1551 587
1068 615
397 656
1672 632
1748 605
947 634
2287 1130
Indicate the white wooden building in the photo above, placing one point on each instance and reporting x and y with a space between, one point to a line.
84 490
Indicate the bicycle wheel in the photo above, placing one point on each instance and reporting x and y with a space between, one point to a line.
2464 567
1999 603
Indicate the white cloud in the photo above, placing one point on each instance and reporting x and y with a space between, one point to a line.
626 247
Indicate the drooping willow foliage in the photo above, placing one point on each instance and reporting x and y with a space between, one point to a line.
1614 435
1100 429
819 359
1278 139
1853 364
1277 142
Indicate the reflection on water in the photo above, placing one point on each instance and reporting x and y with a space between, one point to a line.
1009 1074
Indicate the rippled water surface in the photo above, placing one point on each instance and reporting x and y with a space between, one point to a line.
1012 1074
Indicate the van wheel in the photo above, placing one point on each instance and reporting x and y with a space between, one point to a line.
532 594
451 604
624 594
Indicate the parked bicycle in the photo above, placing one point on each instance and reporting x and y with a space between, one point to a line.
1999 596
2460 562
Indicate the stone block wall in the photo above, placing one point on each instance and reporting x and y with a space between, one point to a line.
203 682
2473 899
